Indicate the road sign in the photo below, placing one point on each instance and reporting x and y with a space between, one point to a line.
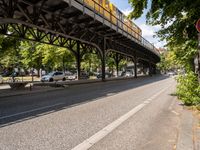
198 25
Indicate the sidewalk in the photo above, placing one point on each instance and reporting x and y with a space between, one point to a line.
8 92
196 129
189 131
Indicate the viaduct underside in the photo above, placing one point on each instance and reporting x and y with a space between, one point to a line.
73 25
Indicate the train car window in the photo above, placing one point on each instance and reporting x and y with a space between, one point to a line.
113 9
119 15
107 3
134 25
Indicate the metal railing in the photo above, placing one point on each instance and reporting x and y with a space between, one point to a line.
101 11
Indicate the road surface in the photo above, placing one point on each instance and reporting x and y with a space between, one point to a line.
135 114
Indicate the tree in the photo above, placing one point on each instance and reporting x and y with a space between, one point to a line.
91 61
9 52
45 56
31 55
177 19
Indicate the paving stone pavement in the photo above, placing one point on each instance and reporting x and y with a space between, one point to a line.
189 132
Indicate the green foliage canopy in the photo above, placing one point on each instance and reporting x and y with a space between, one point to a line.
177 19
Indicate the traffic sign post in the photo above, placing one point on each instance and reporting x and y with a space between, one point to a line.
198 55
198 25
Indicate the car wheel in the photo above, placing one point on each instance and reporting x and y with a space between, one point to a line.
64 79
51 80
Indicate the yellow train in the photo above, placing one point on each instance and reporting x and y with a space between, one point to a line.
113 14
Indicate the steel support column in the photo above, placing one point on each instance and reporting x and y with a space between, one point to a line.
135 67
78 61
154 69
103 59
150 69
117 61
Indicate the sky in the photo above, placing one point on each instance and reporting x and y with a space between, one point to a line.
147 30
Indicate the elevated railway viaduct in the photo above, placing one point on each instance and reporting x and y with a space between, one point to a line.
76 26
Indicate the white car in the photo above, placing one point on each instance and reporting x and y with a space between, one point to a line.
54 76
171 73
70 76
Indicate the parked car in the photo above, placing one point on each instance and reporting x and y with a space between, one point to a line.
70 76
54 76
107 75
171 73
1 79
84 75
127 73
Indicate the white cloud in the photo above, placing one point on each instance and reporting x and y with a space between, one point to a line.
127 11
159 44
149 31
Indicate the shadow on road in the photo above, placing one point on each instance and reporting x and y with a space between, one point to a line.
20 108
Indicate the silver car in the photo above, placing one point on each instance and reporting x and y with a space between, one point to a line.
54 76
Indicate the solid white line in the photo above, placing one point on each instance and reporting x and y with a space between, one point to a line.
85 145
29 111
105 131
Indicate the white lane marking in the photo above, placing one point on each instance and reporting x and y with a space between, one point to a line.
105 131
110 94
29 111
175 112
85 145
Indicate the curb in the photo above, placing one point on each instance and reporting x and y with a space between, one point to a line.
29 92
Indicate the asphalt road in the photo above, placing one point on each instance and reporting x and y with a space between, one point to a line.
118 115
